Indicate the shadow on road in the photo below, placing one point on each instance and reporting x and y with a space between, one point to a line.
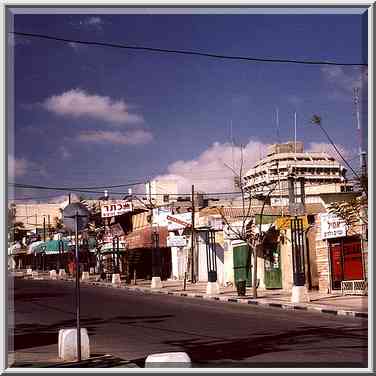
36 334
232 351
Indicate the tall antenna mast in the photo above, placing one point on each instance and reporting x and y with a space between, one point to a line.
277 124
356 105
295 131
362 153
232 145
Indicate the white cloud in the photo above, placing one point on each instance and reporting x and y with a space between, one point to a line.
343 80
323 147
132 137
209 173
76 46
78 103
94 20
18 167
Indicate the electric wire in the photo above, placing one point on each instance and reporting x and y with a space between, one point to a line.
184 52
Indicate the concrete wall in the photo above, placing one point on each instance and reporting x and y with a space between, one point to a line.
202 261
286 261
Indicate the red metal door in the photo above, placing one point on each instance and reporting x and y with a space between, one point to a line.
352 261
336 265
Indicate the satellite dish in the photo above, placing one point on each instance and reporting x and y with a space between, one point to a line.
69 215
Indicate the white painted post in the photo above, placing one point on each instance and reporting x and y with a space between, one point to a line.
164 360
53 274
62 273
67 346
85 276
156 283
212 288
116 279
299 294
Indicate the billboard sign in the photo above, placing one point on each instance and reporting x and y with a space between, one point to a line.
115 208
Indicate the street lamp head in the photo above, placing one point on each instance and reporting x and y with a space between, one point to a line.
316 119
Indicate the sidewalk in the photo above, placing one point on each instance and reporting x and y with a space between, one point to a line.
336 304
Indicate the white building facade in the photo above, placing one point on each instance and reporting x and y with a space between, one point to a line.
321 172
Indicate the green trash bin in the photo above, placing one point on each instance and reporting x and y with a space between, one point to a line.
240 286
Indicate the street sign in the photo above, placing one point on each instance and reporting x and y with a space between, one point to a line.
176 241
332 226
115 208
179 221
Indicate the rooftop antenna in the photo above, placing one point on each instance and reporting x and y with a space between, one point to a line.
232 145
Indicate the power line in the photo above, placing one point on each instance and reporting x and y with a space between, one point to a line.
185 52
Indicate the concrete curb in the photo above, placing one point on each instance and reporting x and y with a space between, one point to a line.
289 306
259 302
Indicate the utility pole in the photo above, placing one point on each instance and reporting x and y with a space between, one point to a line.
49 226
193 238
155 250
363 175
299 293
44 228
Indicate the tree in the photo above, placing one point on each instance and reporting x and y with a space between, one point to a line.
353 212
247 230
15 229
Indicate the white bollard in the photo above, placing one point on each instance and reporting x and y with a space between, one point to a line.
163 360
53 274
116 279
67 346
212 288
62 273
85 276
156 283
91 270
29 271
299 294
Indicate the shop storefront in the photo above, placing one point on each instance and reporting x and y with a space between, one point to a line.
346 260
139 252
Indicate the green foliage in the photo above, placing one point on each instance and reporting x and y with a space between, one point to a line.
352 212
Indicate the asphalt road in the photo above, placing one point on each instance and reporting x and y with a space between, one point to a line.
132 325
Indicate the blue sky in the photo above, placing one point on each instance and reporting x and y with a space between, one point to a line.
88 115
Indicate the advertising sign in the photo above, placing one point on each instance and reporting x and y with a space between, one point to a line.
332 226
179 221
176 241
116 230
284 223
160 216
115 208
